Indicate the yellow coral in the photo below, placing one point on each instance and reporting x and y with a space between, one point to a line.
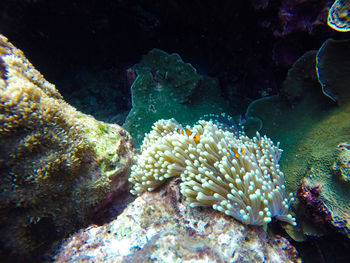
249 187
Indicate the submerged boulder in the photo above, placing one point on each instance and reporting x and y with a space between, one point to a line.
159 227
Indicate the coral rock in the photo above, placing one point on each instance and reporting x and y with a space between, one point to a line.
158 227
57 165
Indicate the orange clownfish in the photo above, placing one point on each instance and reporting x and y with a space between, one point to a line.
236 152
189 134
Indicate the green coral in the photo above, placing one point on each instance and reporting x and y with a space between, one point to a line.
342 163
51 156
310 126
166 87
333 67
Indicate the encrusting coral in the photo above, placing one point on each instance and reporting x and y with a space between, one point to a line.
227 171
51 156
342 163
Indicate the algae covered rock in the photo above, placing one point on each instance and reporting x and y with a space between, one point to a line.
57 165
165 88
158 227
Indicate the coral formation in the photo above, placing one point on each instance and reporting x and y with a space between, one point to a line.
342 163
228 171
315 217
158 227
332 72
51 156
166 87
300 74
315 128
300 16
332 67
338 16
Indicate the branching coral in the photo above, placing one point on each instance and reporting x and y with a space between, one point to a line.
248 185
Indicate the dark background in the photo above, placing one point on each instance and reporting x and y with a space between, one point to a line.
248 45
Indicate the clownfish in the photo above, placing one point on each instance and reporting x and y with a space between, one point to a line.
236 152
189 134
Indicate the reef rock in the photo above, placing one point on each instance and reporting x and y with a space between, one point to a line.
57 165
158 227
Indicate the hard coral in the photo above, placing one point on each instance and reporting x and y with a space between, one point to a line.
338 16
51 156
248 186
316 211
342 163
332 67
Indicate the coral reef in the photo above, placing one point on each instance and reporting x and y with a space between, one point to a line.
342 163
167 87
206 40
333 67
315 128
301 15
57 165
158 227
331 63
300 74
335 192
338 16
227 171
315 218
